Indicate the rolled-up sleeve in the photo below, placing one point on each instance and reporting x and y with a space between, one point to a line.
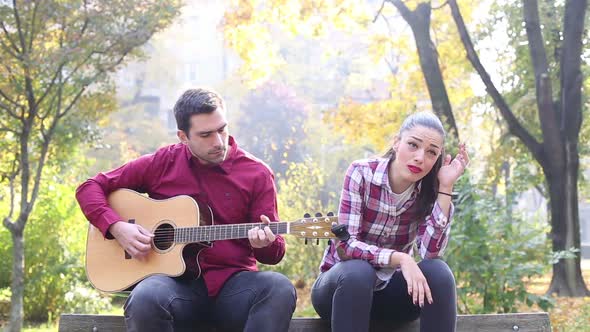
350 214
433 234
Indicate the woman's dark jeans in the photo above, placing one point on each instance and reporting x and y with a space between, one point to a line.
345 295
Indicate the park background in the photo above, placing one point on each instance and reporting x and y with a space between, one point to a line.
310 86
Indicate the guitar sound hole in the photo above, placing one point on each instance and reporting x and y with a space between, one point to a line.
164 237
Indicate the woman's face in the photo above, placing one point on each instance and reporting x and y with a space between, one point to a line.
416 153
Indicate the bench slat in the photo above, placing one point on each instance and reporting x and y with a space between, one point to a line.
521 322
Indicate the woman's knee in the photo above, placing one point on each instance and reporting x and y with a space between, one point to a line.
437 273
356 272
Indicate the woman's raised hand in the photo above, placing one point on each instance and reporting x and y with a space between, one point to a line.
451 170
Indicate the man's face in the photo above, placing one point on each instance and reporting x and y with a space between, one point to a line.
207 137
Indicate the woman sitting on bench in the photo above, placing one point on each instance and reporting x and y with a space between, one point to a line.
389 204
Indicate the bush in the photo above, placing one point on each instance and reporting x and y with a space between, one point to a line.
54 257
4 304
85 300
58 230
492 254
300 192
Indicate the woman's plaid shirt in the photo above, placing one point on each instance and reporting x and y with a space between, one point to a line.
376 227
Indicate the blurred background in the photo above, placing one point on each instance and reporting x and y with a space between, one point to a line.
310 86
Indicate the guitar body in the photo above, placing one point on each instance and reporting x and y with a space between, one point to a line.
110 269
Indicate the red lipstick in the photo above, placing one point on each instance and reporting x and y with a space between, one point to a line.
414 169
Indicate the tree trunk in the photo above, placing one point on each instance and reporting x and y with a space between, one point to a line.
558 152
18 280
419 22
567 277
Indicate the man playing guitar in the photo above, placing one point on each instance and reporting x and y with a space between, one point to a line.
221 283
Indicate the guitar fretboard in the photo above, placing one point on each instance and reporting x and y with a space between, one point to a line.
223 232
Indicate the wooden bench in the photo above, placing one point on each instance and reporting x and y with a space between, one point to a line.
521 322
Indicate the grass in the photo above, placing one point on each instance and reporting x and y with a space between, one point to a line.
569 314
45 327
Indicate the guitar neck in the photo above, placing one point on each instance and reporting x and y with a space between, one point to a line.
224 232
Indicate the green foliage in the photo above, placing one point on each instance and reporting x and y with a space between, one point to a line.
55 79
493 254
4 303
300 192
6 257
53 280
54 254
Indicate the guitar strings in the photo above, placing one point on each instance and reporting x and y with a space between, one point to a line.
215 228
204 232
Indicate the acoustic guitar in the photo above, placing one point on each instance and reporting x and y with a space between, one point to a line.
175 223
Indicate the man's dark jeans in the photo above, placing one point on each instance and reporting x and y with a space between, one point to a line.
249 301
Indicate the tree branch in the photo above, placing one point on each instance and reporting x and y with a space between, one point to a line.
92 80
5 96
8 109
379 11
42 159
19 29
407 14
8 130
8 224
535 37
9 50
391 67
58 72
7 34
7 220
72 103
11 178
571 75
32 33
513 125
548 117
419 20
441 5
51 84
390 64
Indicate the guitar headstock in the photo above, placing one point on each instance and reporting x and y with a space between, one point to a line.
318 227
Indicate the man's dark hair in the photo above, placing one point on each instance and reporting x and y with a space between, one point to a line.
196 101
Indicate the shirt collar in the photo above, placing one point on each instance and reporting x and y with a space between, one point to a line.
225 166
381 177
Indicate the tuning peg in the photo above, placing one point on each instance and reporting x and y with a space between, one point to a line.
307 215
318 215
330 214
